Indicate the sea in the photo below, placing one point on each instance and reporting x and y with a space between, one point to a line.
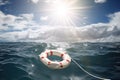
20 61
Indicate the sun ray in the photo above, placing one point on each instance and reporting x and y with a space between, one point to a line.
62 12
65 13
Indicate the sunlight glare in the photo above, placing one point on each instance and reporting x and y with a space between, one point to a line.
65 12
61 10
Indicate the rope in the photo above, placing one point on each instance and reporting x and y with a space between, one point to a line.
88 72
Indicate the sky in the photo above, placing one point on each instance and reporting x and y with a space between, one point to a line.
59 20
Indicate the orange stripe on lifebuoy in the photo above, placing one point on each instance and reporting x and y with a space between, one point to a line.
49 63
42 57
61 65
62 55
68 60
51 53
47 54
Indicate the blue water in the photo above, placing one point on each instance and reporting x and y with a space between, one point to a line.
20 61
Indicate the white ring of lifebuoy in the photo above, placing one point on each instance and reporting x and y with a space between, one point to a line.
55 64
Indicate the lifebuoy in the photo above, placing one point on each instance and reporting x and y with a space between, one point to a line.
55 64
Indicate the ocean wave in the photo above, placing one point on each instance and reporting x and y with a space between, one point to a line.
20 61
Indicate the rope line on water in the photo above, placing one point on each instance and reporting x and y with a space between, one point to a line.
88 72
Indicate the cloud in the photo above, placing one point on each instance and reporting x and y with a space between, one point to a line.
3 2
23 28
115 19
35 1
27 17
44 18
15 36
100 1
11 22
